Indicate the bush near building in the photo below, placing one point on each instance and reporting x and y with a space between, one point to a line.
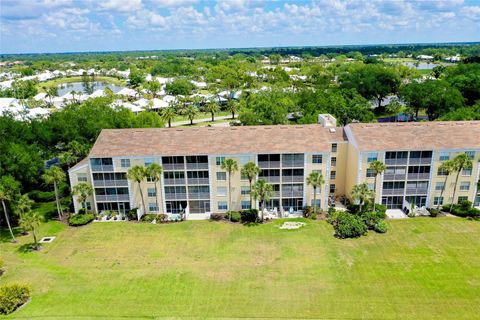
77 220
463 209
13 296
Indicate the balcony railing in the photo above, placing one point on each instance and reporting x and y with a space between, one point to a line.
420 160
269 164
102 167
270 178
173 166
292 194
276 194
198 181
292 179
293 164
113 197
411 191
396 162
110 183
199 195
418 176
173 181
175 196
196 166
393 176
393 192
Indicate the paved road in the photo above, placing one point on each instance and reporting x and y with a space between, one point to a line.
181 123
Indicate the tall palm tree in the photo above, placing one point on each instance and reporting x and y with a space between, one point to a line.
137 174
377 167
168 114
154 171
54 175
230 165
5 195
24 204
233 107
83 191
212 108
316 180
191 112
51 93
446 167
460 162
361 193
251 171
262 191
29 221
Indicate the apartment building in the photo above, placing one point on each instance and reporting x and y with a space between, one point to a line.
194 182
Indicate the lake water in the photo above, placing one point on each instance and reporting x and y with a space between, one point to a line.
421 65
78 86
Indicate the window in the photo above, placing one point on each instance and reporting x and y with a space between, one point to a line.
470 154
245 190
441 172
150 179
317 158
370 173
439 186
125 163
222 205
464 186
243 176
245 205
221 176
148 161
334 147
372 157
462 199
222 191
151 192
333 174
437 201
89 205
152 207
334 161
444 156
244 159
82 177
219 160
371 186
467 172
317 203
332 188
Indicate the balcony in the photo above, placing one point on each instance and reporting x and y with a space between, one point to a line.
393 192
113 197
175 196
293 164
286 179
194 181
276 194
420 160
292 194
393 176
173 166
110 183
174 182
396 162
418 176
102 168
270 178
199 195
196 166
412 191
269 164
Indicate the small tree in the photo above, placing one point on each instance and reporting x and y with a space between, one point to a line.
154 171
460 162
82 191
137 174
212 108
377 167
30 221
54 175
191 112
447 168
316 180
251 171
5 195
361 193
230 165
24 204
263 192
168 114
233 106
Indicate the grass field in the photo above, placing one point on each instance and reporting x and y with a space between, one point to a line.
422 268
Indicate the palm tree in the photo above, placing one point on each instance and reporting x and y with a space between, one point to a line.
447 168
68 158
230 165
24 204
82 191
212 108
233 107
73 93
29 221
263 192
316 180
168 114
361 193
377 167
251 171
137 174
191 112
5 195
54 175
51 93
154 171
460 162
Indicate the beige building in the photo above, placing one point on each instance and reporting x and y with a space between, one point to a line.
194 182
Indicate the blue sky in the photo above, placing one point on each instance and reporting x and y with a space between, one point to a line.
104 25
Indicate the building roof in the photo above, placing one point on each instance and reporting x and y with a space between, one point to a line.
215 140
80 164
437 135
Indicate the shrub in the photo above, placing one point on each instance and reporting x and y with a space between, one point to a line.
309 213
41 196
217 216
371 218
380 227
380 208
347 225
132 214
149 217
82 211
463 209
433 212
77 220
233 216
249 215
162 217
13 296
332 215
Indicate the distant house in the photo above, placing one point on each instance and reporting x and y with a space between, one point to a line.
424 57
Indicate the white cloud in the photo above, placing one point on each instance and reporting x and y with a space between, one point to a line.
122 5
472 12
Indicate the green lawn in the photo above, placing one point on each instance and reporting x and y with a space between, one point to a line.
422 268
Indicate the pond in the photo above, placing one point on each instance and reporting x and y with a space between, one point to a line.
423 65
78 86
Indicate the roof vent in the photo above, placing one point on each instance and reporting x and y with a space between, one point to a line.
332 130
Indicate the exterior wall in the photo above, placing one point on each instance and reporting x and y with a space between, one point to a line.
341 169
73 175
352 167
323 192
371 180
